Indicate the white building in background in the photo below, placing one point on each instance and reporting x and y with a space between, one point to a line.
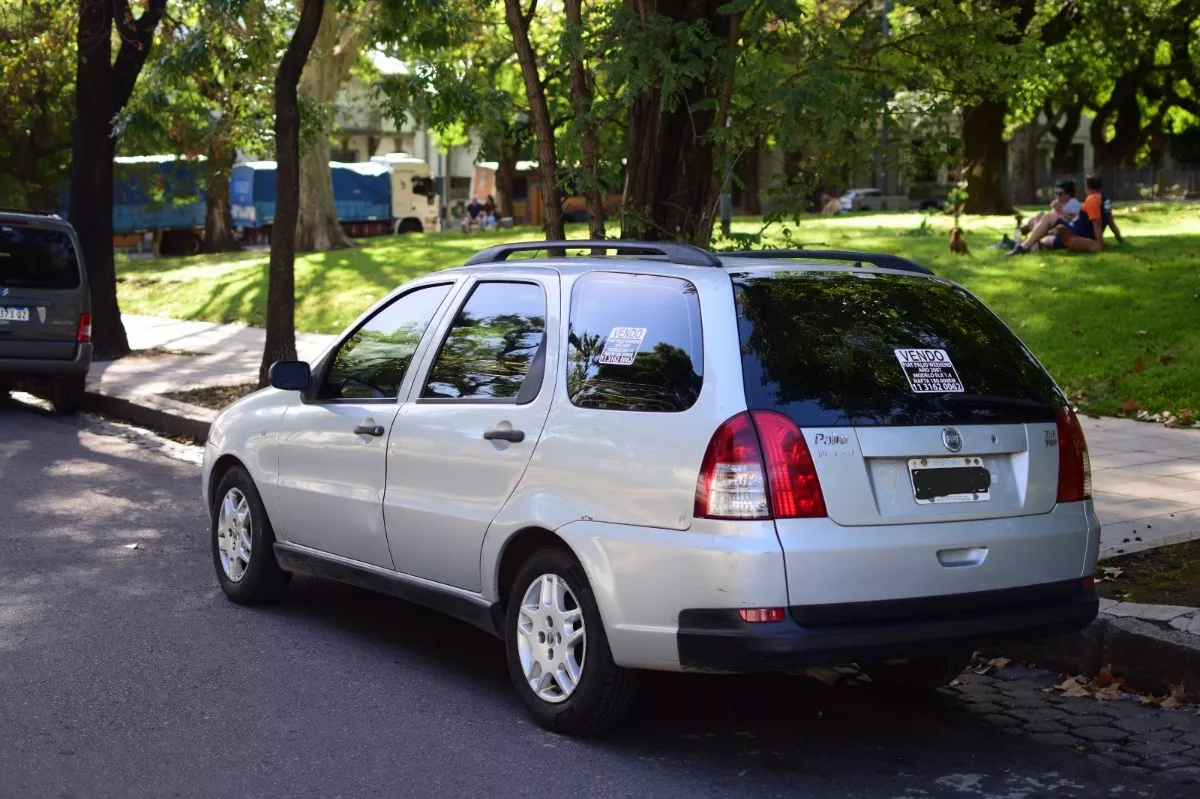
362 131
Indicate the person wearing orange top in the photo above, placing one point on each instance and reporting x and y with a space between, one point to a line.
1086 233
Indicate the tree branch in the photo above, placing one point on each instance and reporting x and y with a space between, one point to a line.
134 51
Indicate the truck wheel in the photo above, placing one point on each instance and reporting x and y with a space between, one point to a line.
921 674
558 655
66 394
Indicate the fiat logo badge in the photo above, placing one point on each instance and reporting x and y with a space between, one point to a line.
952 439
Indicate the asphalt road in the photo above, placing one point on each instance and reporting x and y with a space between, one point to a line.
125 673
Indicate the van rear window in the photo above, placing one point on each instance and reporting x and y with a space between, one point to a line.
37 258
870 348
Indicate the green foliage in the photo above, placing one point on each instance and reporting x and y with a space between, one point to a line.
37 100
213 69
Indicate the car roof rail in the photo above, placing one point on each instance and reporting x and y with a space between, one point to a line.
29 212
878 259
683 254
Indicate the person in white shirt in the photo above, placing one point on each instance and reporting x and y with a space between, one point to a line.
1064 208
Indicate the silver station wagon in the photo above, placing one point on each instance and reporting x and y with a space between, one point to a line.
672 459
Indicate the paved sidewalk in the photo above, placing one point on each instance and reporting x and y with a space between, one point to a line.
1146 478
225 355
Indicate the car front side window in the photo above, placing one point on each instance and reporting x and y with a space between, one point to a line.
372 362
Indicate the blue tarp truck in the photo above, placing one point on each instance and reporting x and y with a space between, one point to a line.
157 199
362 197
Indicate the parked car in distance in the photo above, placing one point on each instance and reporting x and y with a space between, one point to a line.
45 308
876 200
674 460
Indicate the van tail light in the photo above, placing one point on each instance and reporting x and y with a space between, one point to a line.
83 333
758 466
791 473
1074 465
732 483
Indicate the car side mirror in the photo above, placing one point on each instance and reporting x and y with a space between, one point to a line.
290 375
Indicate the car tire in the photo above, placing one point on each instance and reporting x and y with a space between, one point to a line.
922 674
66 394
604 692
247 576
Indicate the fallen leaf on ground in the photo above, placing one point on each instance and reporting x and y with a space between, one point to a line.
1138 366
1105 678
1166 359
824 674
1111 572
1176 698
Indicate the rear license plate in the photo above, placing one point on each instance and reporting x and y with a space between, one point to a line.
9 313
939 480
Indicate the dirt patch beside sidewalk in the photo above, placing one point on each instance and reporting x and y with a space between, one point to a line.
1165 576
214 397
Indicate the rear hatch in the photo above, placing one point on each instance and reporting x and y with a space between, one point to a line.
918 404
42 292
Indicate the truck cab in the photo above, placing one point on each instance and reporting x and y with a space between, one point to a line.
414 200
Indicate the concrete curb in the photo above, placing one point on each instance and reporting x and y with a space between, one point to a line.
164 416
1149 657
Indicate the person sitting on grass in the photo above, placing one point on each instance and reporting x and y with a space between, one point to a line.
1086 233
1064 210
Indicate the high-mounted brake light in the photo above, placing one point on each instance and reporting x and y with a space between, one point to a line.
1074 465
758 466
83 334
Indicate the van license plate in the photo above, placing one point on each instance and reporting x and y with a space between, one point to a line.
9 313
940 480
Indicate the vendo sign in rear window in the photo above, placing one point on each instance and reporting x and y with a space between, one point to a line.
929 371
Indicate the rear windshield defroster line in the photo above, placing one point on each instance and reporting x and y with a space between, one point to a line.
821 347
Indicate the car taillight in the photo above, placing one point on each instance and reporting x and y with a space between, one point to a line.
83 333
731 483
1074 465
757 466
791 474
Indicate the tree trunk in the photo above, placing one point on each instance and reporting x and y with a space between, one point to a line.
281 289
671 182
318 228
518 25
1024 163
506 175
983 151
102 87
747 172
218 212
581 104
1064 138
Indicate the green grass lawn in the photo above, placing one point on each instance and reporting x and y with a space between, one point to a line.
1119 330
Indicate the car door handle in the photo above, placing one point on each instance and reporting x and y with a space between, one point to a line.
369 430
515 436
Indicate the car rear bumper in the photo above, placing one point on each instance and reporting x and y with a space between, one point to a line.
76 366
718 639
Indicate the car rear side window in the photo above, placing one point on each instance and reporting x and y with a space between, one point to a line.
492 345
37 258
635 343
844 348
371 363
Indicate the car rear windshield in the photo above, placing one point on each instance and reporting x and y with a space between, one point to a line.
37 258
870 348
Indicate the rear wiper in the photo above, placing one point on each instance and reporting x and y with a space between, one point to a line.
991 399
